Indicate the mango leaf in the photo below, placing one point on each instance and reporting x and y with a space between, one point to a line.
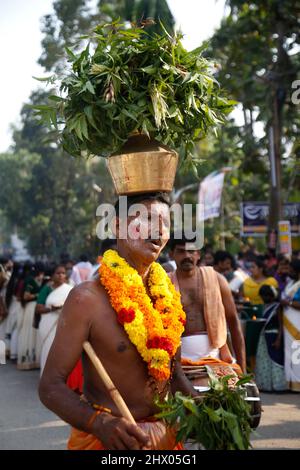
56 98
89 87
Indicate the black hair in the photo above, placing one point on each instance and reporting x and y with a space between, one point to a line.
268 291
107 244
53 267
295 265
179 239
37 269
222 255
138 198
260 263
83 258
12 283
282 259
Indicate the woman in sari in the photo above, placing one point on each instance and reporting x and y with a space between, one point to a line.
269 370
291 322
15 311
49 304
28 347
258 278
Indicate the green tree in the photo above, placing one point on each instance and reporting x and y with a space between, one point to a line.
73 18
55 203
56 200
256 47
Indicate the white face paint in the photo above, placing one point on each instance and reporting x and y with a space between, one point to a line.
190 246
148 229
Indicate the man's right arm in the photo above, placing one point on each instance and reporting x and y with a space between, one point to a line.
72 330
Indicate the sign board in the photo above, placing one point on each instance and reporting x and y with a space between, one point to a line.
285 237
255 215
210 195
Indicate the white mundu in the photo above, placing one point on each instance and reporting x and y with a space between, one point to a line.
196 347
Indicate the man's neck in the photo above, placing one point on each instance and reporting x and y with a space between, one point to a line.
138 265
181 274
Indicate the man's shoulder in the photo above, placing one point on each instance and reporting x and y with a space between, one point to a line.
86 303
88 289
86 296
211 272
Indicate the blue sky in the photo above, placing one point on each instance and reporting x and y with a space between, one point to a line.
20 39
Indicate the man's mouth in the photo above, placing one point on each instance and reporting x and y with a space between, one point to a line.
186 263
156 243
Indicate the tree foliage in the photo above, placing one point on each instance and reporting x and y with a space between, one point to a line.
52 202
257 47
133 81
55 203
257 51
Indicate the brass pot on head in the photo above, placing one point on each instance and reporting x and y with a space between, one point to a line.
143 166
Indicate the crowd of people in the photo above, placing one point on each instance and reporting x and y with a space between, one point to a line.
31 298
266 289
33 294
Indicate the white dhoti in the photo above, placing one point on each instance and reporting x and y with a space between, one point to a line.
195 347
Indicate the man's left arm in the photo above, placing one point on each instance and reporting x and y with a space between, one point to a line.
233 323
180 382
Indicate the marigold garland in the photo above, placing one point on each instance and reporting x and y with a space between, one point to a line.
154 324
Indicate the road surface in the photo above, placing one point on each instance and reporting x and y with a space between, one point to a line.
26 424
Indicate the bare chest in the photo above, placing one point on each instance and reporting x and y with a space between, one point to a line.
192 299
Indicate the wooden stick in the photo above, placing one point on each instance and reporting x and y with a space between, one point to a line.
114 393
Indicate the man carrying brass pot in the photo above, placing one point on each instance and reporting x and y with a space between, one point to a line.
133 318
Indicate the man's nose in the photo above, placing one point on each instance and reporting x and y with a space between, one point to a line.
187 254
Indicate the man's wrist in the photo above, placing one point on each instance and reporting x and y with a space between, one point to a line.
98 422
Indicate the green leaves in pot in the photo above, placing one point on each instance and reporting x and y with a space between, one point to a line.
127 81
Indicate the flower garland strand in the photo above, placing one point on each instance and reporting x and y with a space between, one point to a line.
154 324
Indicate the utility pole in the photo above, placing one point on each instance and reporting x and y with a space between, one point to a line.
275 131
275 203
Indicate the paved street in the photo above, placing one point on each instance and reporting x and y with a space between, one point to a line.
26 424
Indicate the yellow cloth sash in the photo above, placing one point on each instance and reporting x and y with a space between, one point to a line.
291 328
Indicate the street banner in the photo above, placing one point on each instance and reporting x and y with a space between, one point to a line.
285 237
210 195
255 216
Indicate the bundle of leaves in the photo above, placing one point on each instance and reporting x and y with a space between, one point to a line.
219 420
133 81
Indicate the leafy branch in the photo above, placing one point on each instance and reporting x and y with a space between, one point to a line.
219 420
130 82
